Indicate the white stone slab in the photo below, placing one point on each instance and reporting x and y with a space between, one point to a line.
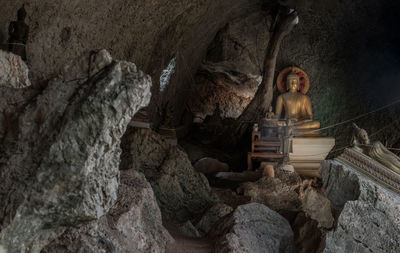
311 149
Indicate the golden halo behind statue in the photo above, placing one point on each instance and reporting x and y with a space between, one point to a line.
304 84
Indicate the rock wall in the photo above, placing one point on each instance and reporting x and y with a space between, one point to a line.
60 152
181 191
369 219
133 224
233 67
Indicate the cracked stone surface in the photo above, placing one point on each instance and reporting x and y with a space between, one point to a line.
369 221
133 224
252 228
60 152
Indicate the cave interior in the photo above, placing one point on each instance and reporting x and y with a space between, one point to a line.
131 131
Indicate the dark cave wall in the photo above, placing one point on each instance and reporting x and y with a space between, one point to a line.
350 52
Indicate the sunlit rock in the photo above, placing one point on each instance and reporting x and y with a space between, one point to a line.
13 71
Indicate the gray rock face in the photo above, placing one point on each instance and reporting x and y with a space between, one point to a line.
133 224
341 185
369 221
187 229
60 168
252 228
217 88
318 207
232 71
280 193
211 216
13 71
241 44
181 191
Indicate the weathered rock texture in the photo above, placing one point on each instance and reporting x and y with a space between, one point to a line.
288 194
369 221
60 157
133 224
307 208
232 71
218 89
318 207
211 216
181 191
13 71
281 194
252 228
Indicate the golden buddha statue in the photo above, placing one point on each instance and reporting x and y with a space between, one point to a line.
375 150
297 106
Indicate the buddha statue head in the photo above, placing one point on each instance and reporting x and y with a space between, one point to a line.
292 82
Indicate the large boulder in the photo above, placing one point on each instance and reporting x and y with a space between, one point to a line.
211 216
318 207
13 71
181 191
369 221
281 194
133 224
60 168
252 228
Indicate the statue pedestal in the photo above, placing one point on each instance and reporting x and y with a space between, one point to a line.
307 153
